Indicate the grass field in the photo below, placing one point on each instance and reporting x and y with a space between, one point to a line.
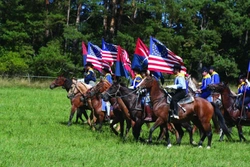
34 132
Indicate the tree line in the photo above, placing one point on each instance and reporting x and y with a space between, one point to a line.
42 37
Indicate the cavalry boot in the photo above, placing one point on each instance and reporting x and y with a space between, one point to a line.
175 112
147 110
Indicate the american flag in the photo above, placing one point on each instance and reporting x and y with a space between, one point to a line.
95 57
109 52
162 59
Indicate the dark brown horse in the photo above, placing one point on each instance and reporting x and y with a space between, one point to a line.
133 104
232 115
76 103
197 110
117 113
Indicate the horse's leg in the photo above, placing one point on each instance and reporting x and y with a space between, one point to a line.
240 133
137 129
207 132
156 125
162 133
180 132
115 121
189 128
72 112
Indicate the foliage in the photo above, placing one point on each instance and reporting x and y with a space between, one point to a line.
202 32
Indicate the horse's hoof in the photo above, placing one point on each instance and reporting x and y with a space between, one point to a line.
208 147
169 146
200 147
193 143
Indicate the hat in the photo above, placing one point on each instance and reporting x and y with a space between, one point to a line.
106 69
211 68
89 64
177 67
144 70
136 69
204 69
242 76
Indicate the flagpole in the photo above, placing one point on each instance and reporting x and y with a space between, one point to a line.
244 95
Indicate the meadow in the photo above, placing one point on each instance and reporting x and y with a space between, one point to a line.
34 132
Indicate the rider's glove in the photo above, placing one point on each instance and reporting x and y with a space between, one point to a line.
171 86
248 83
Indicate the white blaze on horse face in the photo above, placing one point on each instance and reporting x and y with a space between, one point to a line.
140 83
192 85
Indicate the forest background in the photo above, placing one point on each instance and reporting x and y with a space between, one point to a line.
40 37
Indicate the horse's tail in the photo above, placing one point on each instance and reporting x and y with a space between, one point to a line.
221 119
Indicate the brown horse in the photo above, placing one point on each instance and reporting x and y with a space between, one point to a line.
76 103
133 104
232 115
193 86
118 107
197 110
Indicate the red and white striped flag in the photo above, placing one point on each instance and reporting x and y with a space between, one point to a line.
162 59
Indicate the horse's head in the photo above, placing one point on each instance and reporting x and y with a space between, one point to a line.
59 81
147 83
112 91
220 87
102 86
72 91
192 83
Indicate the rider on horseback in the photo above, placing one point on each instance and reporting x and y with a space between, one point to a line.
244 87
90 77
106 105
206 80
137 78
180 93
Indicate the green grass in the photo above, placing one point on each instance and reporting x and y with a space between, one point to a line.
34 132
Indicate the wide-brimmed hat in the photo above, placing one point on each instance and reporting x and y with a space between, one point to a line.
89 64
177 67
204 69
106 69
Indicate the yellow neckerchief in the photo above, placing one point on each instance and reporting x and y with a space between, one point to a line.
214 73
242 83
138 75
90 69
106 75
180 74
206 76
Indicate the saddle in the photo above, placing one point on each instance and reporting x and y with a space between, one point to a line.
186 100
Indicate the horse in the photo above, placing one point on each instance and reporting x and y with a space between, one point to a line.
195 109
193 88
136 113
118 107
232 115
76 103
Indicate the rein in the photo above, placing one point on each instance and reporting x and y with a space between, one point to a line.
117 91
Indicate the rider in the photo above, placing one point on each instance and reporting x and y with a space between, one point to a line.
215 78
137 78
146 98
180 86
244 87
206 80
108 77
90 77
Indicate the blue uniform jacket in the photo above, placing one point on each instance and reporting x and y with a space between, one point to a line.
90 76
